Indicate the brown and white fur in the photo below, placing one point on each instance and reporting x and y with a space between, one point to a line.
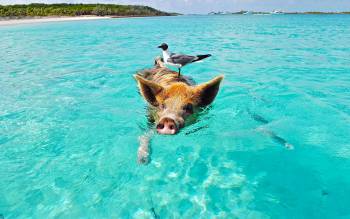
172 99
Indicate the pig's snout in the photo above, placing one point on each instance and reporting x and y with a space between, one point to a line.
167 126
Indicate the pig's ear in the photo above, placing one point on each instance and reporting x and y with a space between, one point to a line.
205 93
148 89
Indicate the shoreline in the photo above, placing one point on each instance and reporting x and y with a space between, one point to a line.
33 20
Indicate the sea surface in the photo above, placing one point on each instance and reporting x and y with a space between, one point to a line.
275 143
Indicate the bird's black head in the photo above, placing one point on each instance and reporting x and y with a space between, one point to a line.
164 46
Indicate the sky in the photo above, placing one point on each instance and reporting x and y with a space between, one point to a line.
206 6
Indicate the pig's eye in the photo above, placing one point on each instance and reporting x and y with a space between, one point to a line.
162 106
188 108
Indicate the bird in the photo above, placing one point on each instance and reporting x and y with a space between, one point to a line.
179 60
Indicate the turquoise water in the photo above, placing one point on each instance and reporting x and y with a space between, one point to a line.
70 117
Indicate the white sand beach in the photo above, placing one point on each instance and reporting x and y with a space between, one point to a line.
47 19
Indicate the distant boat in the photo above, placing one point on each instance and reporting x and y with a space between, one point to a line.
276 12
217 13
248 13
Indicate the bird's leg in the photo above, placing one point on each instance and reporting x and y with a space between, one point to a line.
179 72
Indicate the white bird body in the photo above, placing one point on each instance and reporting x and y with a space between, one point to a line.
179 60
166 57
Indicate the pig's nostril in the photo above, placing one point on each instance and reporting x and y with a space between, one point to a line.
160 126
171 127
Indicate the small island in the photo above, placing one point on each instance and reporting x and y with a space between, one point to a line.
72 10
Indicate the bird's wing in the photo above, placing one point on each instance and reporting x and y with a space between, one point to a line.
181 59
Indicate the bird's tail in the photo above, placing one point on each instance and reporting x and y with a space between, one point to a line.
201 57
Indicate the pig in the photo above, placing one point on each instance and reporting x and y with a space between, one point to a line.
172 98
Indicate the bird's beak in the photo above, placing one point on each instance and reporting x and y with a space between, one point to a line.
159 46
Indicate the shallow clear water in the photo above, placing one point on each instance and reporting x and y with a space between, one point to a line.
70 117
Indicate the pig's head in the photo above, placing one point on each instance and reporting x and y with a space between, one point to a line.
175 102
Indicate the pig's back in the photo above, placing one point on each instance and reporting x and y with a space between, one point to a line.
165 76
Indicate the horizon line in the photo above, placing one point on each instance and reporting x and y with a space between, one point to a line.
204 13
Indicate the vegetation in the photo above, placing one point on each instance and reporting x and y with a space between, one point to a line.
33 10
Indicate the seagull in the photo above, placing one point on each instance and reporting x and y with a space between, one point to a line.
179 60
